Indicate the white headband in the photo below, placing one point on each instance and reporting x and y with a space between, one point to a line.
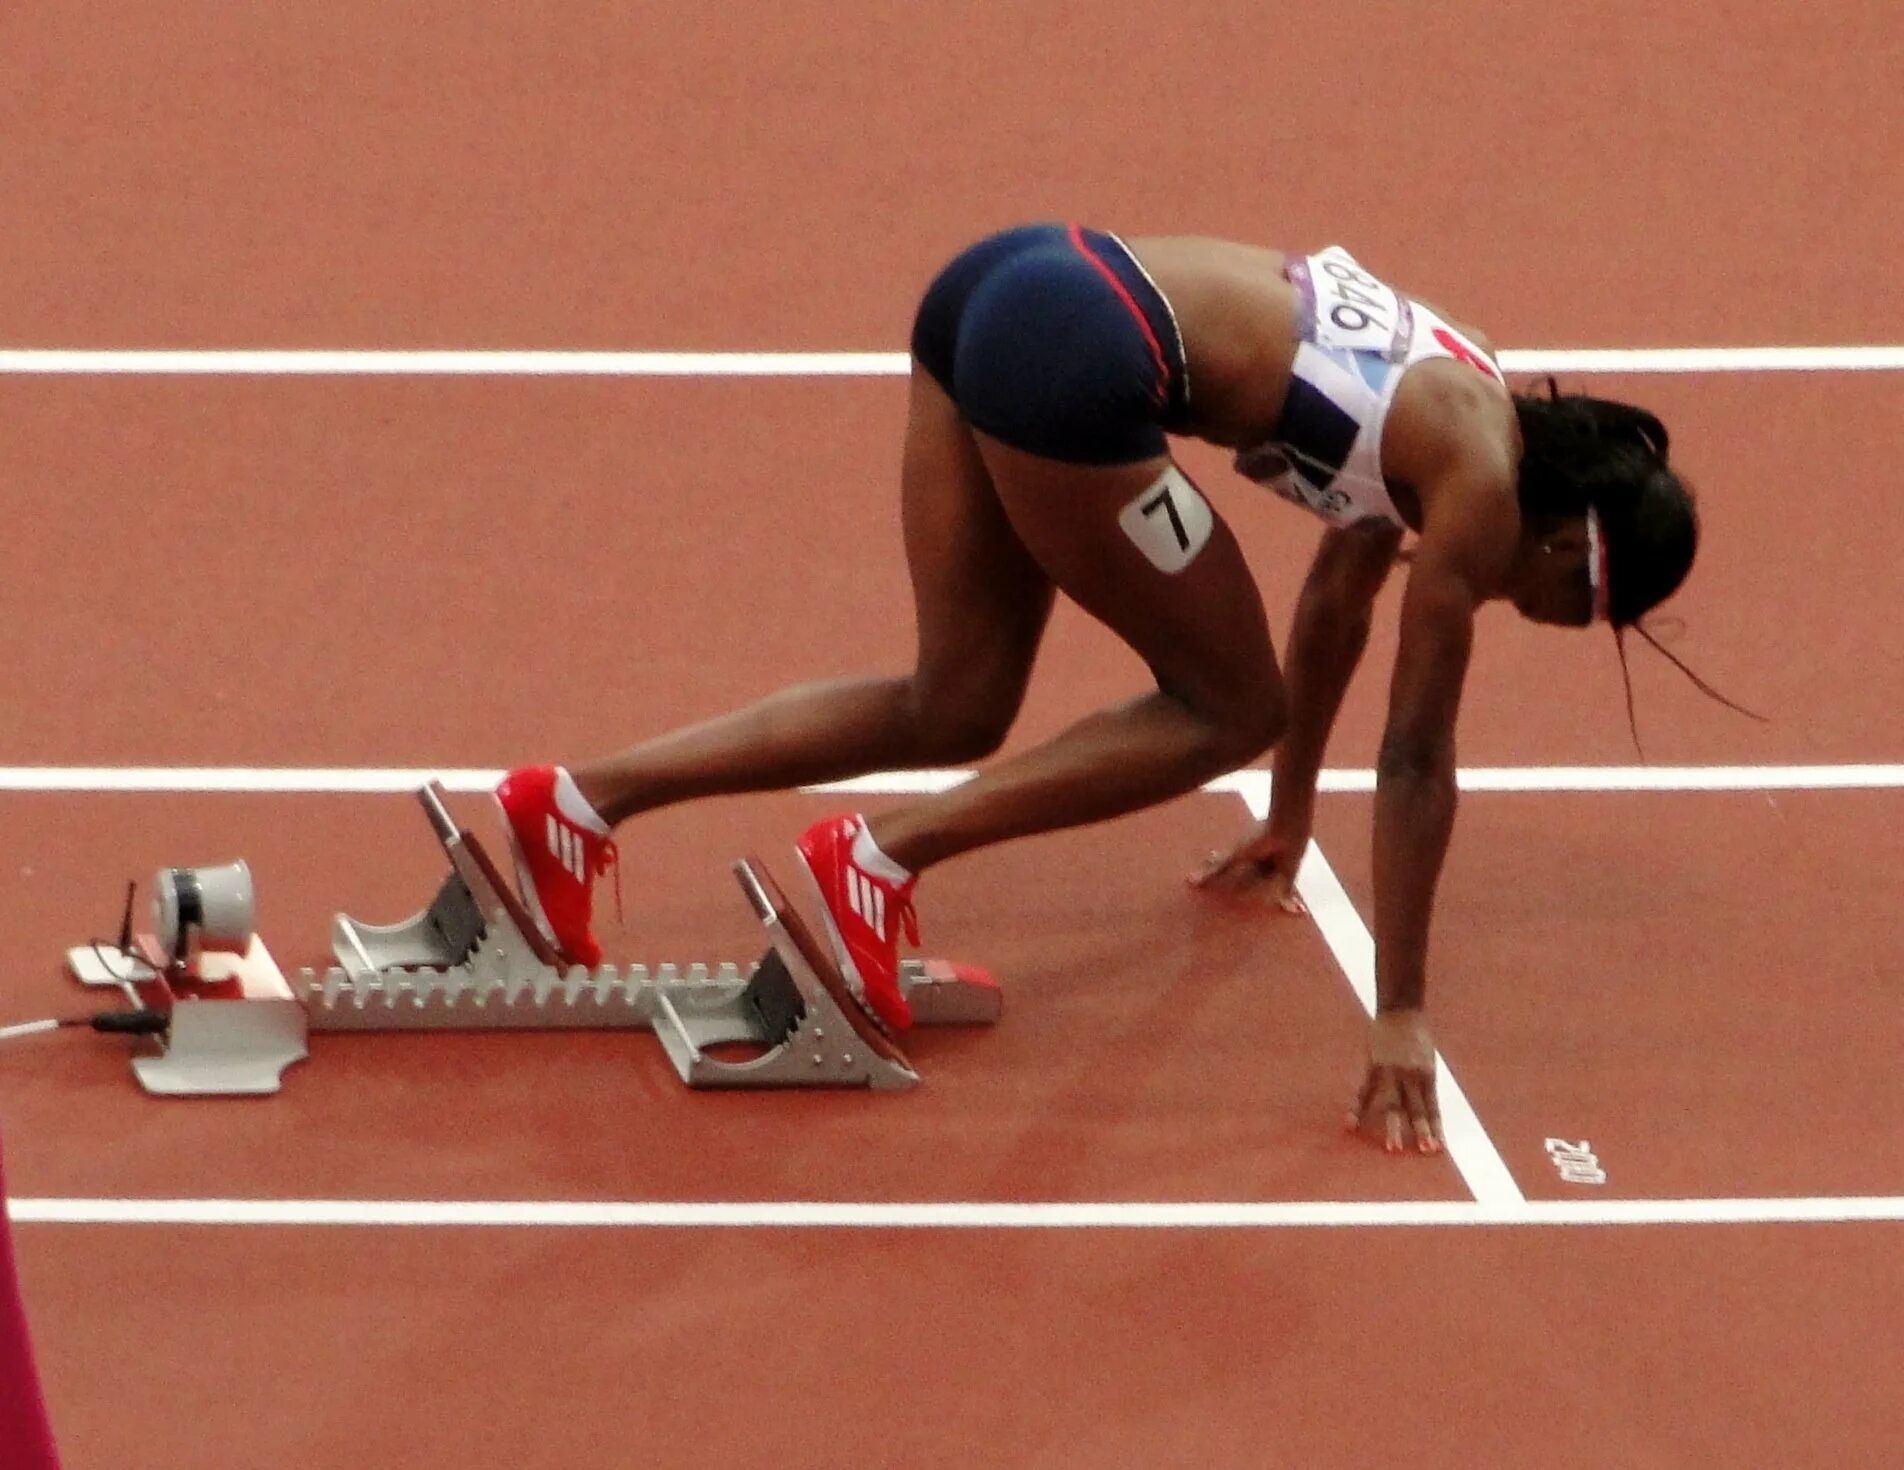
1597 566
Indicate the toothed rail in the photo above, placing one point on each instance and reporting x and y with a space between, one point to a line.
606 999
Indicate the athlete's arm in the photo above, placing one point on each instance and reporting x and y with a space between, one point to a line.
1331 630
1470 527
1467 542
1325 644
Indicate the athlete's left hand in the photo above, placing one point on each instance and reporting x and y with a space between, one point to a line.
1262 866
1397 1100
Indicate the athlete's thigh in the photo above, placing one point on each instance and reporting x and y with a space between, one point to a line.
980 597
1139 548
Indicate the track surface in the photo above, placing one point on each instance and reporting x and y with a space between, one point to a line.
430 573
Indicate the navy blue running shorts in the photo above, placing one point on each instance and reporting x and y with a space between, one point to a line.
1050 338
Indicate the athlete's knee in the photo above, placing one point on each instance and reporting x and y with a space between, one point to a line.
1240 724
954 722
959 738
954 725
1262 725
1245 733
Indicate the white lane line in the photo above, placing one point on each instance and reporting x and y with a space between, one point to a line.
1473 1152
348 780
324 362
321 780
1874 358
1650 778
385 362
957 1214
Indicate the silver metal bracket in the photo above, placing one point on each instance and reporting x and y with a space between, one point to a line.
233 1025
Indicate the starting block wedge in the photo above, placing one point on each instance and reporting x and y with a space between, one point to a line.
473 960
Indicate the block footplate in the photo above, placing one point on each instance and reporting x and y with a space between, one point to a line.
474 961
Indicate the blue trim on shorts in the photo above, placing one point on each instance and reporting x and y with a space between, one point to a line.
1040 351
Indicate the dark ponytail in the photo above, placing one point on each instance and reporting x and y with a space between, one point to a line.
1579 454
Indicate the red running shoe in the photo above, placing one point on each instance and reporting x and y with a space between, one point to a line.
861 910
559 854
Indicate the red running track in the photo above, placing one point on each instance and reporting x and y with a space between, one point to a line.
324 573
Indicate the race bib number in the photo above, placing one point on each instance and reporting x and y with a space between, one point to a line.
1169 522
1353 309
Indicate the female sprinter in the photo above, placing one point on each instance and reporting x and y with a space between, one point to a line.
1049 362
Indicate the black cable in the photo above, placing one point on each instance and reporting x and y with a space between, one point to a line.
99 953
130 1023
139 1021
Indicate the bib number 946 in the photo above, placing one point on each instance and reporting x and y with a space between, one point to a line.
1353 308
1357 301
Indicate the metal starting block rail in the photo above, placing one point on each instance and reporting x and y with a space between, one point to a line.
473 960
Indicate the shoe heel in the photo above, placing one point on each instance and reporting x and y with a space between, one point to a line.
525 885
841 956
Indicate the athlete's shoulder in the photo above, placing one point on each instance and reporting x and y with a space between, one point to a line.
1447 418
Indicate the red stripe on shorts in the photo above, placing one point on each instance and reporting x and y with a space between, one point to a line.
1130 304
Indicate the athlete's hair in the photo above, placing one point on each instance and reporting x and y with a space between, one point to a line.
1580 453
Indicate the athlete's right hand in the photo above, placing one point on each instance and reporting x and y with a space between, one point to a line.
1262 866
1398 1091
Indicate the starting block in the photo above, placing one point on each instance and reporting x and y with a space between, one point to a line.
473 960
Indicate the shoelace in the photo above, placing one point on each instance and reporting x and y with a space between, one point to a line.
901 903
610 857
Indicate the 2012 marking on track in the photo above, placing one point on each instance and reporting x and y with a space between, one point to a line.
1576 1163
